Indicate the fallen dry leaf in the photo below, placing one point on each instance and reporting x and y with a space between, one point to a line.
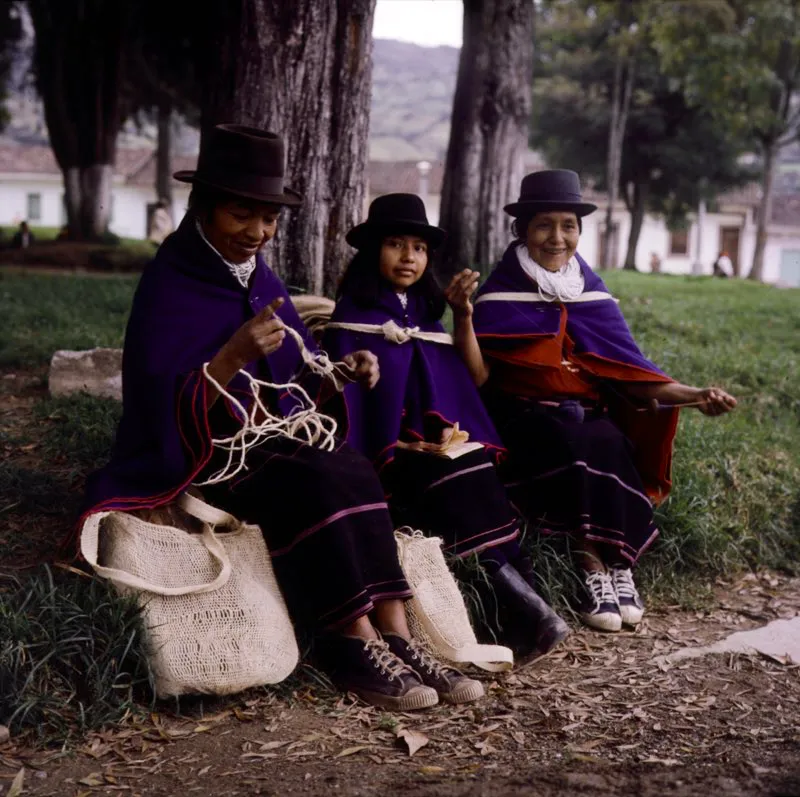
15 789
431 770
352 750
414 740
93 779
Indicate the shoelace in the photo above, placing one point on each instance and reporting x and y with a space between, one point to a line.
384 659
623 583
601 587
434 667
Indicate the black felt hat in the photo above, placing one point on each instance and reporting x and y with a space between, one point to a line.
551 189
399 214
244 161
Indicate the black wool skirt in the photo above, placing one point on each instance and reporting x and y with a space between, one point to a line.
574 476
461 500
327 526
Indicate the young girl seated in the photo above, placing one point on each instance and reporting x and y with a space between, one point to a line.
424 426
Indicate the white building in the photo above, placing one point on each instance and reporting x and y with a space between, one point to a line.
31 189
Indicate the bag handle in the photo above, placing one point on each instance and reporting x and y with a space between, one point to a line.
206 513
90 545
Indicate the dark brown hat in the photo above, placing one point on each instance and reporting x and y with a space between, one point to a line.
551 189
244 161
395 214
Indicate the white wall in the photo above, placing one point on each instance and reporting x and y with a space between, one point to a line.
14 201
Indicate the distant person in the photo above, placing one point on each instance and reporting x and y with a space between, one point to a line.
160 223
655 263
723 266
23 237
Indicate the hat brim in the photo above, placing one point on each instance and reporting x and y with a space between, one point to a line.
369 231
517 209
289 197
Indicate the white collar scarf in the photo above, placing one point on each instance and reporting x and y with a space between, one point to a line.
566 284
241 271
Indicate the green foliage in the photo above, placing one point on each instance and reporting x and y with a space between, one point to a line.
44 313
674 152
738 58
71 655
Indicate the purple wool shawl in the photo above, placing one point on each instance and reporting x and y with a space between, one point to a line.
423 385
186 307
597 328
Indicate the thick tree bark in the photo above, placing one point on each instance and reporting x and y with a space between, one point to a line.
163 184
620 105
78 58
637 210
303 70
764 210
488 131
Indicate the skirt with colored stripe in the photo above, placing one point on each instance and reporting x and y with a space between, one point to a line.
461 500
326 523
574 476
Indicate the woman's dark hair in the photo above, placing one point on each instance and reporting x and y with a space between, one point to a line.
203 199
362 282
519 227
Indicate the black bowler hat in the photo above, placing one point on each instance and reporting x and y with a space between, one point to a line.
552 189
244 161
395 214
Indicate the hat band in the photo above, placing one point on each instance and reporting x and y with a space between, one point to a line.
566 197
257 184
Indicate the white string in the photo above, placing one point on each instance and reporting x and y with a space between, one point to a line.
393 332
305 424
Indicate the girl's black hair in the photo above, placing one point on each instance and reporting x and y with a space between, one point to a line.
362 282
519 227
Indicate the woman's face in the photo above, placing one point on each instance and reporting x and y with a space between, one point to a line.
239 228
403 260
552 238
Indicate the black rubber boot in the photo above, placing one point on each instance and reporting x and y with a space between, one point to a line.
536 628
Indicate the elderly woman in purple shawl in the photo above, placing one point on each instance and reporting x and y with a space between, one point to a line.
424 426
209 300
587 419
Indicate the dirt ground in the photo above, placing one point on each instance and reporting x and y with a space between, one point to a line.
597 717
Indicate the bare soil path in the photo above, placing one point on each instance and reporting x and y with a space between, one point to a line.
598 717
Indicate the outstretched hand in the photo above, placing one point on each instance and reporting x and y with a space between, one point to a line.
460 290
714 401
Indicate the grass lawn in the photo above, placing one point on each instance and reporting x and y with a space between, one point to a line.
735 503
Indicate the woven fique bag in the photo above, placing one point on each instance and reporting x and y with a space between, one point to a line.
215 619
437 615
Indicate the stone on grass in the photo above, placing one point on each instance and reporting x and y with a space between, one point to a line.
97 372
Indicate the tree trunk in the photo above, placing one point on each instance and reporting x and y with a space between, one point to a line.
303 70
764 210
164 155
639 206
79 56
488 130
620 105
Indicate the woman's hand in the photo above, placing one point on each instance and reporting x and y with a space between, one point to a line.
364 368
459 292
259 337
714 401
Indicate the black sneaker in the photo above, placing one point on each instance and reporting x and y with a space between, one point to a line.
631 607
369 669
599 607
451 684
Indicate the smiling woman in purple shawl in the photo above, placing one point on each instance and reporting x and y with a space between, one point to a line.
209 298
424 426
587 419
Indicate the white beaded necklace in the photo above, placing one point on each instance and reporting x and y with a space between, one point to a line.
241 271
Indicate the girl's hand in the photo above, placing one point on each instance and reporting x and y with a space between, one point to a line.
259 337
459 292
364 368
714 401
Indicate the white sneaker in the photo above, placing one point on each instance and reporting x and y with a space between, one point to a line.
600 608
631 607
